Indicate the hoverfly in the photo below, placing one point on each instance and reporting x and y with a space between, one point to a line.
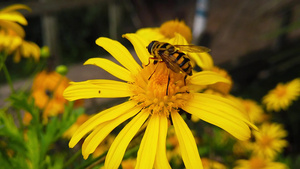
174 56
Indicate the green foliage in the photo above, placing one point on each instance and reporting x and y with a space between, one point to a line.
30 146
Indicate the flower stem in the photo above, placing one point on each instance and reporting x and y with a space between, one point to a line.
3 57
9 81
11 86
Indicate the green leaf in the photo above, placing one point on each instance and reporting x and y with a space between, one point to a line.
33 147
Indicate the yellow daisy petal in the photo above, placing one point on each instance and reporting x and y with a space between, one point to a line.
101 117
207 77
14 16
139 45
30 49
118 147
203 60
147 150
14 7
187 144
14 26
161 161
87 151
120 53
111 67
212 109
150 34
178 40
98 135
97 89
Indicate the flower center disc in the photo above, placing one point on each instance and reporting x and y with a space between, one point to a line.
281 91
160 90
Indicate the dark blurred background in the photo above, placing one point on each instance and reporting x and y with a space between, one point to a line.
256 41
257 38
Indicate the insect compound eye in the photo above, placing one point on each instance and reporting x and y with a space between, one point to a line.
149 47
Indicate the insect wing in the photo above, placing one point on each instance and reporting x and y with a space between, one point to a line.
170 63
192 48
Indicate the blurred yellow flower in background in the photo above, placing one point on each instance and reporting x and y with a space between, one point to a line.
129 163
10 19
259 163
167 31
223 88
11 43
80 120
27 117
104 146
269 140
8 43
282 96
254 110
242 148
12 34
211 164
47 90
27 49
152 101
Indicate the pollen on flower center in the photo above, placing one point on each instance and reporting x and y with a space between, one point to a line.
256 163
159 89
266 141
281 91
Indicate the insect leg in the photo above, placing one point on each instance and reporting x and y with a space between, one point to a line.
153 71
185 79
167 91
153 58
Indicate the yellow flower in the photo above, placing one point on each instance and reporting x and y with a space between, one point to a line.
282 96
259 163
12 34
167 31
27 118
9 19
129 163
27 49
9 43
221 87
254 110
269 140
47 90
157 94
170 30
211 164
